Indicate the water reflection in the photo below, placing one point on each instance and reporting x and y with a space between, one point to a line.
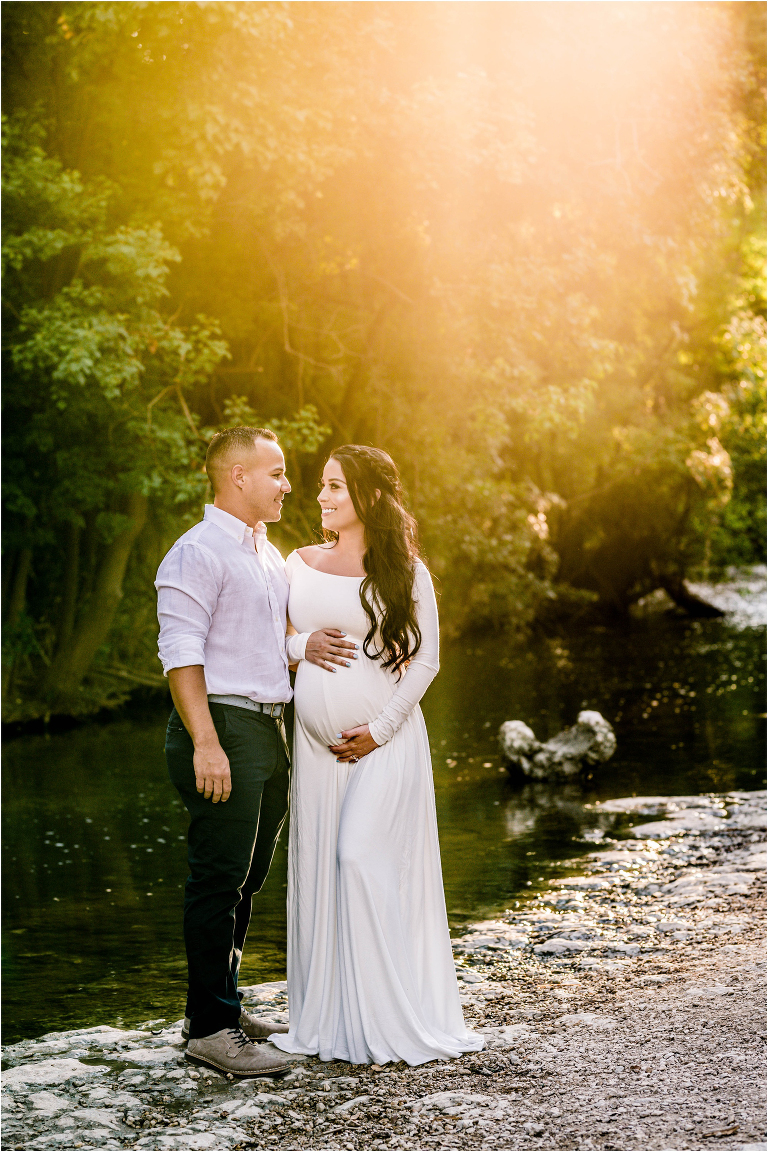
94 835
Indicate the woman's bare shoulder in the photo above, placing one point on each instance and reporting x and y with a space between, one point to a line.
311 554
312 550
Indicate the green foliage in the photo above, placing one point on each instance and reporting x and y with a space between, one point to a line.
737 535
518 246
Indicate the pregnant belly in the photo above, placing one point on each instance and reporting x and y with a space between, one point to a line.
331 702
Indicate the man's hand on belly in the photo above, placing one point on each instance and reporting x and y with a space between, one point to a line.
328 647
212 772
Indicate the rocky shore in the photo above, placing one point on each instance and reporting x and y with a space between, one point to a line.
622 1009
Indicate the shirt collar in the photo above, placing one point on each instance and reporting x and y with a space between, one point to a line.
260 536
234 527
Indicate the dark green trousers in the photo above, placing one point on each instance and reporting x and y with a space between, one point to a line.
231 846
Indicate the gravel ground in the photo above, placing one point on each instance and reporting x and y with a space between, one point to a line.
622 1010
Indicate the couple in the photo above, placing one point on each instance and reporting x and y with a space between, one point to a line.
371 977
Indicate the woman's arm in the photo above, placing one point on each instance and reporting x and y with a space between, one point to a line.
295 653
414 682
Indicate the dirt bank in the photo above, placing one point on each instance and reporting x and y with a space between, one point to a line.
625 1010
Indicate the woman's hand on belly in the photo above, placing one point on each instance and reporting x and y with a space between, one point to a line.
357 742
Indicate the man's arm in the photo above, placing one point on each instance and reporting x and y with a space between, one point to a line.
188 585
191 700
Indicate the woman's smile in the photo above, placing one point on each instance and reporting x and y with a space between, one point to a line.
342 511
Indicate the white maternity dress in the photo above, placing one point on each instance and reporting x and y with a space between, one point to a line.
371 976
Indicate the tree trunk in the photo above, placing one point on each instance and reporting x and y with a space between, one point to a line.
69 595
16 604
9 567
90 551
71 664
18 596
676 589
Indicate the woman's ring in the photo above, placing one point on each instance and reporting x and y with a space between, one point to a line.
354 759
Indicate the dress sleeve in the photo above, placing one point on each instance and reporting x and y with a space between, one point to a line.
296 646
423 667
188 585
295 642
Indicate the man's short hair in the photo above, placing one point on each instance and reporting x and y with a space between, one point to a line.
229 441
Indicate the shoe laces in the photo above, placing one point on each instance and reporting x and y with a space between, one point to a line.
239 1037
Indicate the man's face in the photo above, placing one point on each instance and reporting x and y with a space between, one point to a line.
264 481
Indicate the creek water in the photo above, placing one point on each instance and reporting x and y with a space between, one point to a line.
94 835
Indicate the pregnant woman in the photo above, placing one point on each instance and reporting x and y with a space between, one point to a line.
370 967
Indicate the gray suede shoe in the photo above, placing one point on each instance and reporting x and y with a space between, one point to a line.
255 1027
231 1052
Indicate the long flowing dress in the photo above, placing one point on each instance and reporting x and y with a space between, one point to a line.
371 976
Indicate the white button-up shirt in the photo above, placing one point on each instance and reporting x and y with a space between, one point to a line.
222 597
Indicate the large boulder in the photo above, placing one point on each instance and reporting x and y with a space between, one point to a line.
591 740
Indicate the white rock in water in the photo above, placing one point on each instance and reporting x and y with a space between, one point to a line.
688 820
651 805
742 598
49 1072
658 830
590 741
518 742
749 819
269 988
645 805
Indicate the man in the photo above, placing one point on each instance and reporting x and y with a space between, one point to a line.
222 598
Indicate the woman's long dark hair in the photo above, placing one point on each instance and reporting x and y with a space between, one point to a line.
391 552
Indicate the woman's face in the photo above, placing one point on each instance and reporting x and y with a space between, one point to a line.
336 508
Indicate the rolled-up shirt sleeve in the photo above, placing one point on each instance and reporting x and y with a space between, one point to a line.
423 667
188 586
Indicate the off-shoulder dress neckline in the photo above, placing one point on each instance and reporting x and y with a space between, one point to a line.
337 575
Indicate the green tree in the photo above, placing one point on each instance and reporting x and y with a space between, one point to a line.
94 396
515 245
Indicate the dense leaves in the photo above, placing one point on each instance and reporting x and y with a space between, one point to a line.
518 246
